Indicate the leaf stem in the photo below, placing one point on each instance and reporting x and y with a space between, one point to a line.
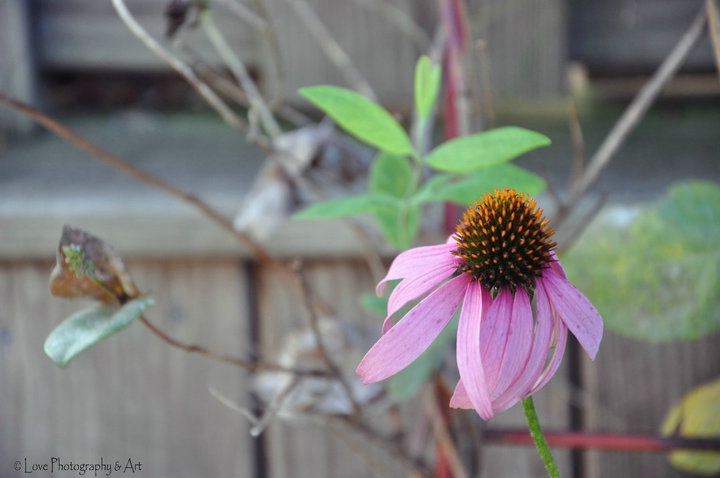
539 438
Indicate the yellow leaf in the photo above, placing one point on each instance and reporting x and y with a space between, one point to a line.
696 416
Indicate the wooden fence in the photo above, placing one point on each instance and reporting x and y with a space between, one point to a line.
135 398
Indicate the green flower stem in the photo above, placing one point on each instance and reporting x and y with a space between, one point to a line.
539 438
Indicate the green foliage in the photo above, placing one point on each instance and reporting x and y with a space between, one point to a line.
465 189
88 327
657 277
344 207
470 153
399 220
697 415
427 85
361 117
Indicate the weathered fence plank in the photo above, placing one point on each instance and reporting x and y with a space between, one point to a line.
132 397
631 387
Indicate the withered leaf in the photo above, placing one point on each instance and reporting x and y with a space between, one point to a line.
88 267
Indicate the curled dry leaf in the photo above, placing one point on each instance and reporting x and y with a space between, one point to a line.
292 397
87 267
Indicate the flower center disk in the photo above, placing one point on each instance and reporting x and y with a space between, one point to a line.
504 241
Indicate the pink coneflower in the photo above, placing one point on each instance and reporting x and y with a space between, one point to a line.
516 305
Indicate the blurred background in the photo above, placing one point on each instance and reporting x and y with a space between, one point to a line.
555 66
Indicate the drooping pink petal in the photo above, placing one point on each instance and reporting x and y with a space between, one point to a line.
518 345
575 310
544 326
409 338
460 397
556 266
546 313
421 282
417 260
494 335
469 360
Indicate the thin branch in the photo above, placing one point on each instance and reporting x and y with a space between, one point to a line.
185 71
714 23
246 364
115 162
331 48
442 434
319 340
637 108
257 102
400 19
391 447
245 14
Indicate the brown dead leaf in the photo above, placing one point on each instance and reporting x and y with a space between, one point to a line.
87 267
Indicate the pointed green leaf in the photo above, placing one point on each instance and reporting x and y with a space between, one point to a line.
391 174
87 327
364 119
427 85
470 153
344 207
466 190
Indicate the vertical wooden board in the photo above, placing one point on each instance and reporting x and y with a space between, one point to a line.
526 44
17 65
131 397
295 449
364 34
89 34
552 405
632 385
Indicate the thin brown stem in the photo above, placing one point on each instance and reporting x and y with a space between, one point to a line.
391 447
246 364
314 321
637 108
176 64
115 162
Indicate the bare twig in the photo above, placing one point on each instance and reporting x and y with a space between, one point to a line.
637 108
242 12
246 364
331 48
391 447
185 71
442 434
314 320
400 19
113 161
713 15
578 141
488 102
257 102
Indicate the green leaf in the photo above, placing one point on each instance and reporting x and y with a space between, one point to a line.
87 327
391 174
405 384
651 274
696 416
361 117
399 223
427 85
343 207
470 153
464 190
693 207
